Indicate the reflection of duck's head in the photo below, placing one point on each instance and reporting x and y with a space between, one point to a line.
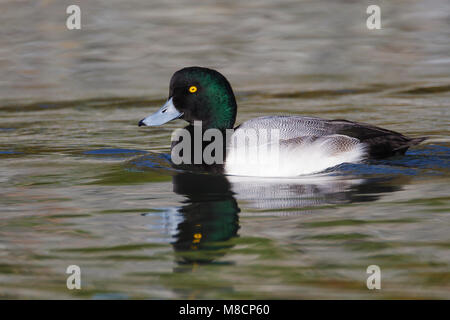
210 217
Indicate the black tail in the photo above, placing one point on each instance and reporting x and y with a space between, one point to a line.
416 141
391 145
408 143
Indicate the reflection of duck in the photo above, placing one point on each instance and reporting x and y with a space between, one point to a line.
210 212
305 144
290 196
210 217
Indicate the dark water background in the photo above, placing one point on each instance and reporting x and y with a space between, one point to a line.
81 184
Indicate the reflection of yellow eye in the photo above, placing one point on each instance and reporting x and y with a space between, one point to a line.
192 89
197 238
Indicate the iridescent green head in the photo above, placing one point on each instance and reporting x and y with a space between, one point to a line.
198 94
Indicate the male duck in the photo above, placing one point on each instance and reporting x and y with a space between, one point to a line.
305 144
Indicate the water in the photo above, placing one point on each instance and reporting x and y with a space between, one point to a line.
81 184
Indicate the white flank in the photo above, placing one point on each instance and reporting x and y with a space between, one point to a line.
293 157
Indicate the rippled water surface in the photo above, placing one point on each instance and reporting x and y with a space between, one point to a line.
81 184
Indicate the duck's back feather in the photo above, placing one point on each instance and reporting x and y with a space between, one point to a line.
379 142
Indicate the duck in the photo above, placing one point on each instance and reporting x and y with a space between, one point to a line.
283 145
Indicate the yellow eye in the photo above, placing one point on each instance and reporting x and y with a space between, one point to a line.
192 89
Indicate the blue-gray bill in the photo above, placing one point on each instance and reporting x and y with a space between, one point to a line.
167 113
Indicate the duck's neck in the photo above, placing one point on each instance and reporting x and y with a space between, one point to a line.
196 135
222 109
